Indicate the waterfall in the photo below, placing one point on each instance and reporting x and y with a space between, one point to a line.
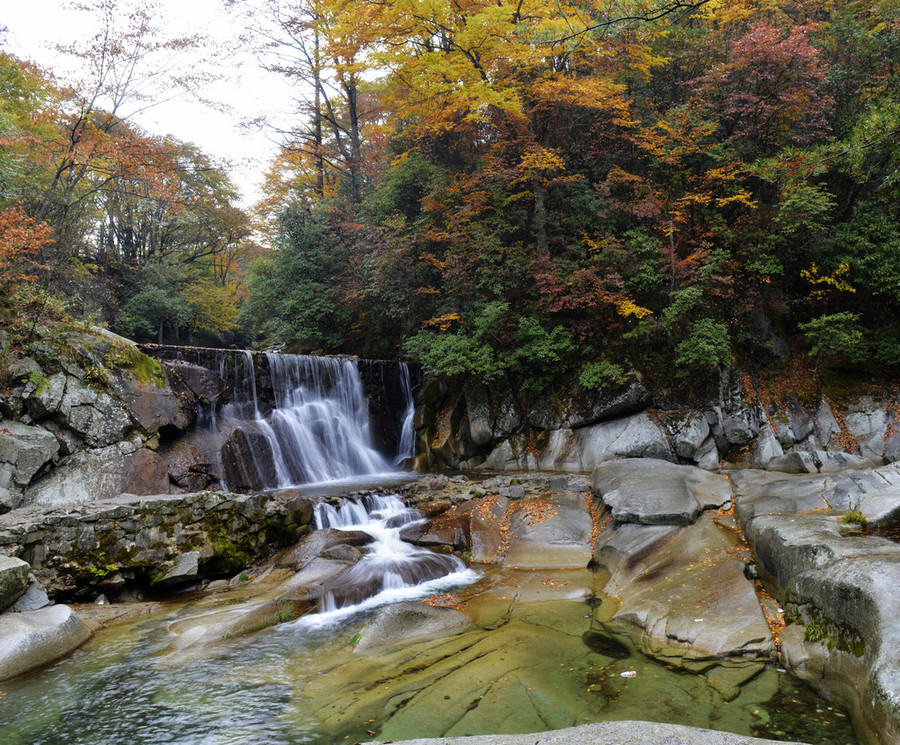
393 569
406 447
314 430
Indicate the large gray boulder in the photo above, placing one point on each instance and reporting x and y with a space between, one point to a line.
842 589
551 532
683 590
654 492
13 580
636 436
32 639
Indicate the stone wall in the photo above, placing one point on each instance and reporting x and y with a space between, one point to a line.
127 542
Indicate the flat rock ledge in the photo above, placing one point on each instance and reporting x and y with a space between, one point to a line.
608 733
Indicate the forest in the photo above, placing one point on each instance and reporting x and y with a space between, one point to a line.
511 189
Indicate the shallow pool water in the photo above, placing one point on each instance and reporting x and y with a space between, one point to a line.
536 656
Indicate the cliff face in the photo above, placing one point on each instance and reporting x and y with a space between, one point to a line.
88 423
741 422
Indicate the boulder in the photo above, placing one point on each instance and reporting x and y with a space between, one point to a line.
35 597
739 420
689 434
317 543
204 384
767 448
13 580
93 415
589 407
550 532
491 414
842 587
24 451
635 436
488 528
684 591
248 463
185 569
153 407
654 492
608 733
34 638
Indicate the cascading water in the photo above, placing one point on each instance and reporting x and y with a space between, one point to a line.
316 432
393 569
407 446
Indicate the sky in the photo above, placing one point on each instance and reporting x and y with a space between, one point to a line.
35 27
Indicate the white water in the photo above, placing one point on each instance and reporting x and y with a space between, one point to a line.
392 570
407 446
318 432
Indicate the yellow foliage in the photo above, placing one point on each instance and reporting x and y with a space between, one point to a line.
628 308
823 285
443 322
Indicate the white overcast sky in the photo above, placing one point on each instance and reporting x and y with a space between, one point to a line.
35 27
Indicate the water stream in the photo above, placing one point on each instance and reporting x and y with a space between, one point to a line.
393 569
526 650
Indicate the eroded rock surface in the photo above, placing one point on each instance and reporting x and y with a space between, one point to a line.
34 638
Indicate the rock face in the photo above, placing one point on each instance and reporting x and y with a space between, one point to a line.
575 431
32 639
90 429
24 450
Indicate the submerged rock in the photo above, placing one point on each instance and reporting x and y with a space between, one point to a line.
403 622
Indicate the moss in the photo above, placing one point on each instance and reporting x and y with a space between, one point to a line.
39 381
144 368
823 630
854 518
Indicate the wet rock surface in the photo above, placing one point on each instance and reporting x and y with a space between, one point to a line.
31 639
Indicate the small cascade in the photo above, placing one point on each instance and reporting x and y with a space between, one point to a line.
315 430
393 569
406 448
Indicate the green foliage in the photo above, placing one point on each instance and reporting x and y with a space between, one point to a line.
468 352
854 518
156 304
709 344
835 334
143 367
542 355
292 291
604 374
407 182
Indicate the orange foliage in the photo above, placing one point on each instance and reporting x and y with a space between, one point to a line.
21 240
